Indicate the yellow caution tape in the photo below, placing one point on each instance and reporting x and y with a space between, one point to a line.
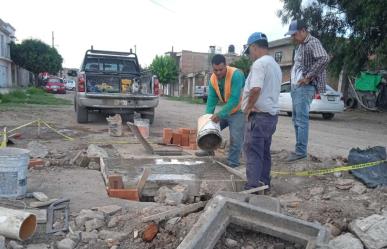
4 142
326 171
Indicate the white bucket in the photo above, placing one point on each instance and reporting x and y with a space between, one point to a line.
209 137
13 172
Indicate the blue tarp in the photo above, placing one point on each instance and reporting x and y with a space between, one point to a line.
371 176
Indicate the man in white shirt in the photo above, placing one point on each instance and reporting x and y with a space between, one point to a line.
260 105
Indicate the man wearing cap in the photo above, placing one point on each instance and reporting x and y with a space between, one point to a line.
225 86
308 77
260 105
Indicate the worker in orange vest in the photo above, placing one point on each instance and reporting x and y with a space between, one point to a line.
225 86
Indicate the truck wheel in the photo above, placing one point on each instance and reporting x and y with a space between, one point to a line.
328 116
149 116
82 115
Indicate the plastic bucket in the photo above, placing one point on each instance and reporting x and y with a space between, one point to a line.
13 172
143 126
209 137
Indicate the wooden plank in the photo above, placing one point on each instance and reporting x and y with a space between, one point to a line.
177 212
103 171
254 190
232 171
142 181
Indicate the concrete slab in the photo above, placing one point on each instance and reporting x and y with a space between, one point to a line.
222 211
85 188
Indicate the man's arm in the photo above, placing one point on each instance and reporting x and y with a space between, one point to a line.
321 59
237 83
212 99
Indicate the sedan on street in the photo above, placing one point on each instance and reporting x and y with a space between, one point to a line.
55 85
326 104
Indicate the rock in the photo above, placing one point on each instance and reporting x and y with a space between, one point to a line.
38 246
174 198
290 200
371 231
94 224
98 244
37 150
109 210
105 234
333 229
150 232
86 215
135 234
94 165
40 196
112 242
358 188
14 245
96 151
337 174
65 244
344 184
2 242
230 243
88 236
113 222
161 194
345 241
171 223
182 189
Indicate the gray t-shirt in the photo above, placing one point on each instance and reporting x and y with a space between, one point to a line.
266 74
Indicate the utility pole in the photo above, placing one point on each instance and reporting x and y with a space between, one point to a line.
52 36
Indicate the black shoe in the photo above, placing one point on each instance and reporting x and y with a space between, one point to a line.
294 157
203 153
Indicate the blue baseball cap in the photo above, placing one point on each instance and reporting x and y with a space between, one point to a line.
256 36
295 26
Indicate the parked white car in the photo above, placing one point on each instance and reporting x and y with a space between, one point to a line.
327 104
70 85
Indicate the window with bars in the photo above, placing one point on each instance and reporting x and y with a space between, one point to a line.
278 56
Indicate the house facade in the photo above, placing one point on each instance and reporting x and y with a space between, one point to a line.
7 34
282 51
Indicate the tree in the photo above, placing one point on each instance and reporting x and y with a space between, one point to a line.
36 56
350 30
165 68
244 64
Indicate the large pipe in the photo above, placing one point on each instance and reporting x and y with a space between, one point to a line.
17 224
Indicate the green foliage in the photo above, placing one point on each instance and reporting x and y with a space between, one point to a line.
31 96
244 64
350 30
36 56
165 68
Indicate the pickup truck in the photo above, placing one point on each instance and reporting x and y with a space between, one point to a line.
110 82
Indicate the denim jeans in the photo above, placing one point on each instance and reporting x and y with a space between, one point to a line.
259 131
302 97
236 124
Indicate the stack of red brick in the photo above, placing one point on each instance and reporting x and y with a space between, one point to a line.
184 137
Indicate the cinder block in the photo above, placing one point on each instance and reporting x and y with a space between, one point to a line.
176 138
185 140
115 182
128 194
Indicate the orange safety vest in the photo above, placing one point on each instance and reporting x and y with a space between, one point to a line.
227 88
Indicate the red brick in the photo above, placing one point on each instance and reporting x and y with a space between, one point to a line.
167 135
36 163
184 140
127 193
185 131
115 182
192 138
192 131
150 232
176 138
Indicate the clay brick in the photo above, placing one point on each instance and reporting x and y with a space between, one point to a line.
176 138
184 140
115 182
150 232
167 135
36 163
192 138
192 131
184 130
127 194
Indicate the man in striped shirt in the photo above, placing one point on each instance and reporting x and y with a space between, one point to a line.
308 77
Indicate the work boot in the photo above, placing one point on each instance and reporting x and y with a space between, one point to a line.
294 157
203 153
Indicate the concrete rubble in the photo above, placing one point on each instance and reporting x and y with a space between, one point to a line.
345 241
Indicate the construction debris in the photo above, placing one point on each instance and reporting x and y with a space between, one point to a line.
150 232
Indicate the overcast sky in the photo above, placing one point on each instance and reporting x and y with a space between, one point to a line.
154 26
